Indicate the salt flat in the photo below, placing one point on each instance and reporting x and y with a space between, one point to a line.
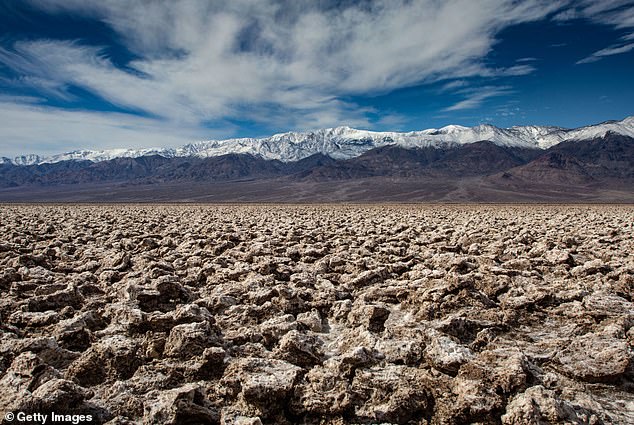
330 314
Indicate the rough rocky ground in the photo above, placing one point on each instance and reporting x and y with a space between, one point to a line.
318 314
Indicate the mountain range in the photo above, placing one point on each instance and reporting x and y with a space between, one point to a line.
346 142
450 164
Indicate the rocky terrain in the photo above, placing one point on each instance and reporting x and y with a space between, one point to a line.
269 314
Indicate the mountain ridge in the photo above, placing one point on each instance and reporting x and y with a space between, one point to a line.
594 170
342 143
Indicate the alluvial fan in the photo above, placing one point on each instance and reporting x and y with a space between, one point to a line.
318 314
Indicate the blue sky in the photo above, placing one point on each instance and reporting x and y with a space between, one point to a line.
107 74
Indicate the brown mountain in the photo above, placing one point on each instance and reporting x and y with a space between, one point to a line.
608 160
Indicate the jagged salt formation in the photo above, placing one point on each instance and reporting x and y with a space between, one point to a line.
318 314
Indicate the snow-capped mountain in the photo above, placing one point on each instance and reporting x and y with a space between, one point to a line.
346 142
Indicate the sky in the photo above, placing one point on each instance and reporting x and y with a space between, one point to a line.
103 74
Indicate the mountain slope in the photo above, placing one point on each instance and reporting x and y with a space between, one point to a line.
604 159
608 157
345 142
482 158
474 159
598 169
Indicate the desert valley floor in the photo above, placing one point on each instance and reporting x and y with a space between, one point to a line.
318 314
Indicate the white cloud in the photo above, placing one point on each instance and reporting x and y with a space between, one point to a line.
271 62
452 85
475 97
609 51
392 121
29 127
512 71
616 13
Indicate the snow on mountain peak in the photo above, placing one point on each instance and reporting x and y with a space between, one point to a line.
346 142
448 129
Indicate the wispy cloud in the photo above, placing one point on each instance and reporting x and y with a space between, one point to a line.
29 127
453 85
609 51
615 13
512 71
275 63
392 121
475 97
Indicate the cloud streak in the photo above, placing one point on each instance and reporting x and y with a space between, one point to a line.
615 13
609 51
475 97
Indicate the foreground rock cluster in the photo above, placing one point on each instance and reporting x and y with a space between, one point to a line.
318 314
